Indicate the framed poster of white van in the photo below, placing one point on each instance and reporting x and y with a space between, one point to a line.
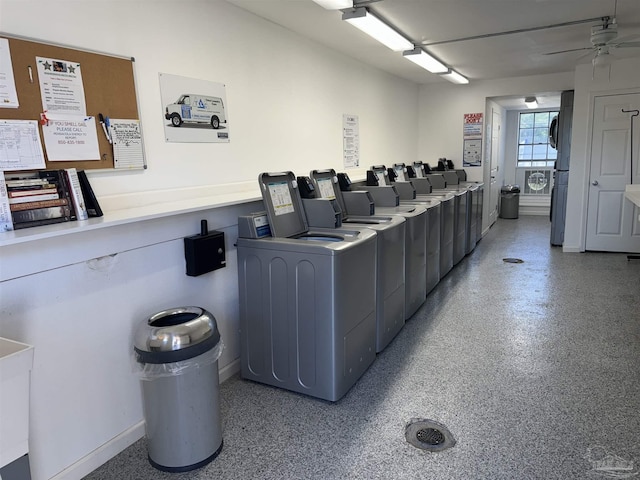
193 110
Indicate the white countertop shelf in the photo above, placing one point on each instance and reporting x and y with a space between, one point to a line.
120 216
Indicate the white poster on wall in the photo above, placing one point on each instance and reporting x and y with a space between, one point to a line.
8 94
193 110
351 141
473 125
61 87
71 139
472 154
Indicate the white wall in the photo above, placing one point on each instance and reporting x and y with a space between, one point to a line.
621 78
285 94
78 297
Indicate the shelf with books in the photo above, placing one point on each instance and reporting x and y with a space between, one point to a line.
46 197
226 202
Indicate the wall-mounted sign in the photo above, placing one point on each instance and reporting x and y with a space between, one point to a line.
472 140
472 154
472 125
351 141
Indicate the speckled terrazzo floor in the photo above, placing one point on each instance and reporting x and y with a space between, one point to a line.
533 367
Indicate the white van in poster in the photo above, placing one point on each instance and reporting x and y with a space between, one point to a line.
193 110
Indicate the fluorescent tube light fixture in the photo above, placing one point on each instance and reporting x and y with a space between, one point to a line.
531 102
426 61
335 4
377 29
454 77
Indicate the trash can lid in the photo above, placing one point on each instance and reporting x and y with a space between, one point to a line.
175 334
510 188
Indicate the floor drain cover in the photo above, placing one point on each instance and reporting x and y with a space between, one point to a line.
428 435
512 260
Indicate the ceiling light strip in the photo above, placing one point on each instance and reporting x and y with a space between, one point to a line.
334 4
454 77
364 20
426 61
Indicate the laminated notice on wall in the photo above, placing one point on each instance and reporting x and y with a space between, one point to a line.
351 141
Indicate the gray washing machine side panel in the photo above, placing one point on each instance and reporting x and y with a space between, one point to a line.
447 228
437 254
390 277
479 212
472 219
433 247
307 320
462 205
415 255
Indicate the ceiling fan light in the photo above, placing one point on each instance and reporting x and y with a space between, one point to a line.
531 102
426 61
602 59
335 4
454 77
377 29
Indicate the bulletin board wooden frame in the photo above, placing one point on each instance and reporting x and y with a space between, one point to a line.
109 88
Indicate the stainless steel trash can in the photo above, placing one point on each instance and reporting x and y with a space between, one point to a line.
176 355
509 201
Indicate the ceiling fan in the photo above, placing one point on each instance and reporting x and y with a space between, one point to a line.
604 39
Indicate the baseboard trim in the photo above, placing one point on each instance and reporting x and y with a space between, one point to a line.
113 447
102 454
229 370
534 210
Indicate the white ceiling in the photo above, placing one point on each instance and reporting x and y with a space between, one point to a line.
428 21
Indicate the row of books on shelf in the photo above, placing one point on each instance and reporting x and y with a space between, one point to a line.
43 197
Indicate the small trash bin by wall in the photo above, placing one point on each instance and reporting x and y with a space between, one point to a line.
176 355
509 201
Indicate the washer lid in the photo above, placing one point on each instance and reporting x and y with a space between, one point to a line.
283 203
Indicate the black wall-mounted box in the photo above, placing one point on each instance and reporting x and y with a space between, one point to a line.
204 252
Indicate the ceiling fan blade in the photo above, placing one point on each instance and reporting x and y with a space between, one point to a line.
570 50
626 38
626 45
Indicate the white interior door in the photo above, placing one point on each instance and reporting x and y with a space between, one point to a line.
495 182
612 220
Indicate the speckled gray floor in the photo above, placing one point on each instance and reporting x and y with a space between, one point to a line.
533 367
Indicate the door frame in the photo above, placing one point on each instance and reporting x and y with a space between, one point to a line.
584 186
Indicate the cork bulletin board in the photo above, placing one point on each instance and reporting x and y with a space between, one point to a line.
109 87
